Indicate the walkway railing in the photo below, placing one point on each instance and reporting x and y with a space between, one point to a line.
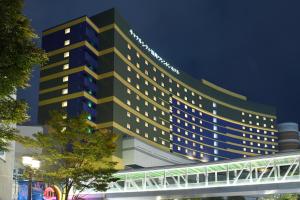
261 170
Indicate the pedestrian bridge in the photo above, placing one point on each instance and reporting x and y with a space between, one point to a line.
278 173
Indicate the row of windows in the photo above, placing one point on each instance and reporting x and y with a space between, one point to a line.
186 90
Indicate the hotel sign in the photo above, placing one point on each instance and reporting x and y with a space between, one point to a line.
152 52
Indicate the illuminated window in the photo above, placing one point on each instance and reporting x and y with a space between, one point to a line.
146 135
163 142
137 54
67 42
214 105
128 114
129 79
163 132
137 76
216 158
67 30
65 79
244 149
146 62
146 103
272 120
64 91
214 112
138 120
154 128
243 120
66 66
215 135
154 69
128 91
243 113
64 104
215 120
128 102
215 143
66 54
216 151
257 117
178 148
146 113
128 57
128 46
215 128
137 131
250 115
137 65
137 86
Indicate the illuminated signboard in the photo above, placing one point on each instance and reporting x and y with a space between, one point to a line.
152 52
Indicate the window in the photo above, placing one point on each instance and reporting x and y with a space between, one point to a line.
146 62
66 66
64 104
137 131
128 57
128 46
215 135
66 54
215 120
64 91
128 126
215 143
129 79
128 114
67 30
137 65
216 151
214 105
137 54
163 142
128 102
128 68
214 112
67 42
128 91
215 128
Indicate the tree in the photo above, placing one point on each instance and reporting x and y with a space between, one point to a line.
73 155
17 56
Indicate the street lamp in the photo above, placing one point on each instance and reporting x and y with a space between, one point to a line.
32 164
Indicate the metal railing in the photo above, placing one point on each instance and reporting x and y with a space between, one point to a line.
252 171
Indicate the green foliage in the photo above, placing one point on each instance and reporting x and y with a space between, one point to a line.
72 156
17 56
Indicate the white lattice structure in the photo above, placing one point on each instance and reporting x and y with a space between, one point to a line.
252 171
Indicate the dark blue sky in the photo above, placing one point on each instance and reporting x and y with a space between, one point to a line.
249 47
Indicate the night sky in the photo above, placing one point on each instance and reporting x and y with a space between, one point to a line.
249 47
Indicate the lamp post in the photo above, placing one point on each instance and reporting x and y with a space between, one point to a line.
32 164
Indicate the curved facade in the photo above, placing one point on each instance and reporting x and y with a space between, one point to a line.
102 66
288 136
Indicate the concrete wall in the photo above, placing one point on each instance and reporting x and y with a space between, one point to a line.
136 152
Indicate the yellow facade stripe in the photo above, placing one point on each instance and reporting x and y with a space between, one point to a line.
122 57
201 143
250 147
55 64
66 48
242 152
64 26
100 101
54 88
128 132
146 119
223 90
220 117
240 131
61 98
183 84
106 28
61 74
89 21
115 26
247 132
117 76
75 70
250 139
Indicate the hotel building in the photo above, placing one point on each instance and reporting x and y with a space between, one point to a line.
100 65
